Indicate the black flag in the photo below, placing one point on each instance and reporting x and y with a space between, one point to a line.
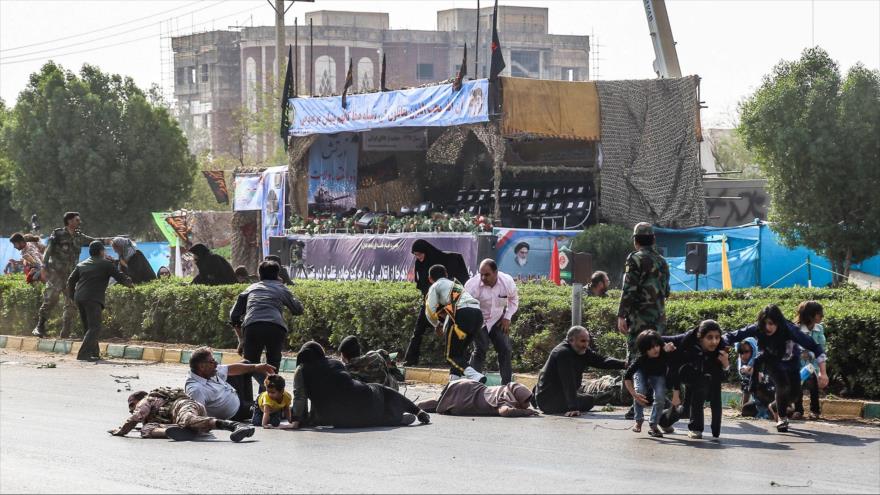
498 64
348 81
382 77
217 182
285 96
462 71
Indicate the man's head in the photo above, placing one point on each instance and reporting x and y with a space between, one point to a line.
134 398
579 339
17 240
489 272
272 257
72 219
521 250
643 235
241 274
599 283
269 270
350 348
437 272
96 248
202 362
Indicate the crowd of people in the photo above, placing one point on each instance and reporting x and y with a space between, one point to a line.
674 375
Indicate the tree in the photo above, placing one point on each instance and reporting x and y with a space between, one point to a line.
10 219
732 155
609 244
94 143
817 139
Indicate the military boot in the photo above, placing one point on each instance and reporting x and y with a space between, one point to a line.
40 329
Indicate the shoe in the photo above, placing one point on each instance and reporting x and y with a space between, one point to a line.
695 435
38 333
782 425
180 434
472 374
654 432
40 329
814 416
424 418
407 419
91 359
241 432
667 429
630 415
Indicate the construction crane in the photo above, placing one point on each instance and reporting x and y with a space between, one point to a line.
666 63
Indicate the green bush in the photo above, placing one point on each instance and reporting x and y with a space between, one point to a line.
383 314
609 244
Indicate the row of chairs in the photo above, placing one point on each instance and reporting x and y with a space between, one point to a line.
465 197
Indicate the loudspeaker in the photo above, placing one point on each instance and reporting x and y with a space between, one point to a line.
278 245
485 246
582 268
696 257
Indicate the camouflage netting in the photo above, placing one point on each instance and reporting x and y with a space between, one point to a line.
650 169
298 174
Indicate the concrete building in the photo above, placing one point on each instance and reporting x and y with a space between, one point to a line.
219 72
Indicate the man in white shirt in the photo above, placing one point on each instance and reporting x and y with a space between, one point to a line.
499 300
207 385
463 321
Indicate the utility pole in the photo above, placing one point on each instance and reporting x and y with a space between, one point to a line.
280 43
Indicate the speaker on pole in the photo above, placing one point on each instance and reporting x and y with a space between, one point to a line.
697 254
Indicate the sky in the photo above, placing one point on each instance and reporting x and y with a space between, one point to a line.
730 44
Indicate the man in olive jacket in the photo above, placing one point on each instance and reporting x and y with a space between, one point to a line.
88 284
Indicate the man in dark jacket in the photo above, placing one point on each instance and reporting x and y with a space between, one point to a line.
213 268
427 256
560 379
88 284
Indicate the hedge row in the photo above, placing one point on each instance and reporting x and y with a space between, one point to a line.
383 314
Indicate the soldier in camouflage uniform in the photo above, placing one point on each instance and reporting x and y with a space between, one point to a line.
169 413
645 289
60 258
372 367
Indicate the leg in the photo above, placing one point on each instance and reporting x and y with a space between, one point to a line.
252 347
641 387
67 315
714 394
244 386
481 346
501 342
585 402
257 419
92 322
697 394
413 350
813 385
658 383
50 298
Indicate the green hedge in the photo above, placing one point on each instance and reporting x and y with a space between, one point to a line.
383 314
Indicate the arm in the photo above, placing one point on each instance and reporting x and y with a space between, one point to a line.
431 303
741 334
628 296
513 412
50 250
141 412
238 311
512 303
120 277
72 280
295 307
603 362
300 409
243 368
266 413
565 369
809 344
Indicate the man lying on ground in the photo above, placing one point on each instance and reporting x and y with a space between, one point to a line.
471 398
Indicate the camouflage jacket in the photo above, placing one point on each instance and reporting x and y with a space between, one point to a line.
645 289
372 367
62 252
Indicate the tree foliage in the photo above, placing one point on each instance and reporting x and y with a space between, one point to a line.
817 139
95 143
732 155
10 219
609 244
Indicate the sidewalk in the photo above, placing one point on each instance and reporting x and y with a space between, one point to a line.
830 407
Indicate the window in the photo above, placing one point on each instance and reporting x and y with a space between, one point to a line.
180 76
204 73
364 80
425 71
524 63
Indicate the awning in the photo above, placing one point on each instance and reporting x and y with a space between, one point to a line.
557 109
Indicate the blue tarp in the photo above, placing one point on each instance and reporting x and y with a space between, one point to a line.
157 253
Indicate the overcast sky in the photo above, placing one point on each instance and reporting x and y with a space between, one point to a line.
731 44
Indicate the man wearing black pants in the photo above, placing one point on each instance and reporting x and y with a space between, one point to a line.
447 298
257 318
88 284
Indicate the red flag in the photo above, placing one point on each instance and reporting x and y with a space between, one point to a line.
554 264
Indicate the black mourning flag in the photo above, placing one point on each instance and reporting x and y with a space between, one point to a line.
498 64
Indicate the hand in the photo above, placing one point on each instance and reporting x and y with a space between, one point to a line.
724 359
439 331
669 347
505 326
823 381
622 327
641 399
265 368
571 414
676 399
746 370
116 432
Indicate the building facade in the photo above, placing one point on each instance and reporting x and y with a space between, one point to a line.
219 73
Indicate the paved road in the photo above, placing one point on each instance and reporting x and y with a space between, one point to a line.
53 424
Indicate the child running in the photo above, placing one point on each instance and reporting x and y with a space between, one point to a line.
273 405
809 316
649 371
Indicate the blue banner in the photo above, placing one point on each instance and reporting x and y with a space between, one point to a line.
333 163
274 185
417 107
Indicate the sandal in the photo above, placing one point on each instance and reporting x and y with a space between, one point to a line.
637 428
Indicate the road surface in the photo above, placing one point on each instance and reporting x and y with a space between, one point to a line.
54 422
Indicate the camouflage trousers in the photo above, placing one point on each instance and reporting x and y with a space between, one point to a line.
56 286
186 413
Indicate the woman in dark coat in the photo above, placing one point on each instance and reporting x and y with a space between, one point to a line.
132 261
339 400
427 256
213 268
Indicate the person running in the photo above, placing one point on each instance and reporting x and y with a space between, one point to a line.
779 343
132 261
649 370
31 255
809 316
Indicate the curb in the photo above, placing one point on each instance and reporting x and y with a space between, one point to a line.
437 376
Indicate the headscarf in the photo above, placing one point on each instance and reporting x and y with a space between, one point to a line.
310 352
423 246
511 395
125 246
